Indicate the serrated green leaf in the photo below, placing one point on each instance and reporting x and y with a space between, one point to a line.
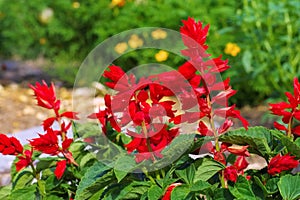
219 194
258 138
24 193
288 186
207 169
52 197
154 192
242 189
86 158
291 146
95 179
123 166
270 187
180 192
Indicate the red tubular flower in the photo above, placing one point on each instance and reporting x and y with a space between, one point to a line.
60 168
46 96
281 163
241 163
10 145
239 150
231 173
167 195
24 160
47 143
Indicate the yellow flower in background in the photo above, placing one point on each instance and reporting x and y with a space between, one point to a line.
135 41
121 47
75 4
232 49
43 41
119 3
159 34
161 56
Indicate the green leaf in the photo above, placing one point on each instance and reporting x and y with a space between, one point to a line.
96 178
123 166
200 186
219 194
180 192
45 163
5 191
24 193
154 192
86 159
242 189
187 174
207 169
289 187
270 187
291 146
52 197
22 179
258 138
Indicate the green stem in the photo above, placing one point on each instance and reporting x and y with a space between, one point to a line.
144 128
222 178
212 125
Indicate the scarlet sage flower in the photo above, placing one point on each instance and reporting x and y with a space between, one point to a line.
47 143
46 96
24 160
231 173
10 145
282 163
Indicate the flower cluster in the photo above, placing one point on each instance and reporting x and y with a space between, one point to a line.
289 111
53 142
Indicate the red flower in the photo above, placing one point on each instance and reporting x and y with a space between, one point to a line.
167 195
10 146
231 173
60 168
241 163
46 96
24 160
193 34
239 150
47 143
282 163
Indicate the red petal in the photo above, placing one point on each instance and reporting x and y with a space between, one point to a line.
66 143
16 143
4 140
60 168
70 115
48 122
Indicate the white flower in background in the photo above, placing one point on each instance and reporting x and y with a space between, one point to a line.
46 15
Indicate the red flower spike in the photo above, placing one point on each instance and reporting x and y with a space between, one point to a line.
24 160
45 95
280 126
66 143
281 163
193 33
231 173
70 115
17 145
187 70
60 168
219 156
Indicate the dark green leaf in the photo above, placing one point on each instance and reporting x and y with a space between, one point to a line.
45 163
123 166
207 169
270 187
289 187
154 192
187 174
242 189
95 179
200 186
291 146
258 138
219 194
180 192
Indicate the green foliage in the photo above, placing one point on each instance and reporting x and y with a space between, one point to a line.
289 187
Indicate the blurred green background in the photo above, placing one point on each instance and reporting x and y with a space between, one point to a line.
260 38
